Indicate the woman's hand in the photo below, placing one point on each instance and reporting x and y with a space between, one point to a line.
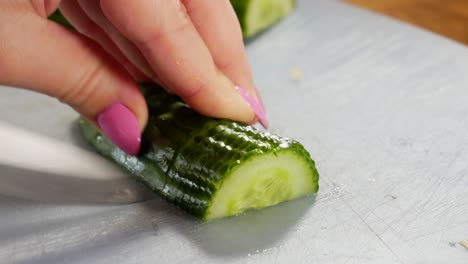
193 48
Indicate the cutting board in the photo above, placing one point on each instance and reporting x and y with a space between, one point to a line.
381 106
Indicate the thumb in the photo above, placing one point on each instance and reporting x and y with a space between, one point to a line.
40 55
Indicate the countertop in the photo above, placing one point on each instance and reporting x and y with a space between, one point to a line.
382 108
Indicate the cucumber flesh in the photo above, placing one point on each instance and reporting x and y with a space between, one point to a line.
262 181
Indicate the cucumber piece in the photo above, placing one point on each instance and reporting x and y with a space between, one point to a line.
257 15
209 167
59 18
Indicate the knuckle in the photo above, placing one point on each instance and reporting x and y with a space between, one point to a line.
226 65
194 91
157 36
39 7
43 7
79 94
171 19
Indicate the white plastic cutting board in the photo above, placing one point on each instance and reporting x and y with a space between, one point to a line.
383 109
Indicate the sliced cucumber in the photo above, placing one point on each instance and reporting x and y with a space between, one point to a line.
209 167
257 15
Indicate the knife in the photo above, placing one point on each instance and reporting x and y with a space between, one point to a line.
41 168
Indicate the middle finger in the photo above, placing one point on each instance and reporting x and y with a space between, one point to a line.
93 9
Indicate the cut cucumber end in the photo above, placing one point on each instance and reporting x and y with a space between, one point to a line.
263 181
261 14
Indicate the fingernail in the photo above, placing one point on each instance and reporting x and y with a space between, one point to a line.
260 99
256 107
120 125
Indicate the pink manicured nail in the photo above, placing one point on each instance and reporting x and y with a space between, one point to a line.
256 107
121 126
260 99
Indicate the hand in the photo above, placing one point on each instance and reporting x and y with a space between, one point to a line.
193 48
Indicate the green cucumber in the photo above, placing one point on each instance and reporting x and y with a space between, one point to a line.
211 168
254 15
59 18
257 15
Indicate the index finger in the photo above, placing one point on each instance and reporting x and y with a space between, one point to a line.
219 27
164 33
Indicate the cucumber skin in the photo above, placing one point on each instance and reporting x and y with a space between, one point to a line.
59 18
185 156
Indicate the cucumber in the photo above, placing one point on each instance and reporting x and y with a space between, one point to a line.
254 15
257 15
211 168
59 18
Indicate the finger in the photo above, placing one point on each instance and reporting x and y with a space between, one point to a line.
219 27
92 9
164 33
76 16
43 56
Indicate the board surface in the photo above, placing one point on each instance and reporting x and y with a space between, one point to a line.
381 106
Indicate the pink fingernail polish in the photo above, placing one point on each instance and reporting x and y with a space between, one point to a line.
120 125
260 99
256 107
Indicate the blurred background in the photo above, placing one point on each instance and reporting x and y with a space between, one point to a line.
448 18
